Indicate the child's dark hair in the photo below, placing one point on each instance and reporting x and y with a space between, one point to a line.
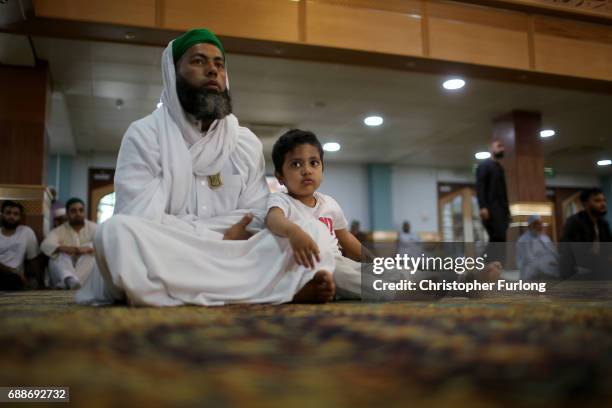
289 141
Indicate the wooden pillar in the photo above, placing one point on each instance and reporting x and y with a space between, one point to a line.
23 151
524 166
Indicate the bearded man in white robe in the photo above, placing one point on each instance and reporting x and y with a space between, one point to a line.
190 200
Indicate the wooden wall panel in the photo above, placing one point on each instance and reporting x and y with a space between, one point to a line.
399 6
363 29
22 152
595 8
23 102
476 44
478 35
275 20
23 93
573 57
485 36
573 48
133 12
524 159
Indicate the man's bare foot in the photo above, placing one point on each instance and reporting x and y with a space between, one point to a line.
320 289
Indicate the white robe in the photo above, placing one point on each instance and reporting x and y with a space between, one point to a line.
62 266
65 266
537 257
163 246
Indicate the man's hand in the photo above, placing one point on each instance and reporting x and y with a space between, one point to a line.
305 250
68 250
85 250
238 232
484 214
6 268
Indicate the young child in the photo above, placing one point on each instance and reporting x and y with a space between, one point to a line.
298 165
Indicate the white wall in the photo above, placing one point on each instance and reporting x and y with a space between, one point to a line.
569 180
81 163
415 198
348 184
455 176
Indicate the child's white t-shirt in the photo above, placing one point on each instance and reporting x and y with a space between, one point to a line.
326 210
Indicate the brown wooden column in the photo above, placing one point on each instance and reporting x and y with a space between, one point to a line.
524 166
23 142
524 160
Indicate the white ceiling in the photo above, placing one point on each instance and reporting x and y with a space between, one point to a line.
424 125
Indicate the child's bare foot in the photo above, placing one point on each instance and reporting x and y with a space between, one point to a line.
320 289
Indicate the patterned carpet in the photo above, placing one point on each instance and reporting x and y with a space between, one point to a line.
455 352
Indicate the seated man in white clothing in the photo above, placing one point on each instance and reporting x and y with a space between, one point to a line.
407 241
298 165
536 255
17 244
70 248
189 179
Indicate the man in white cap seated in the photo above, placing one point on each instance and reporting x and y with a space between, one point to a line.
536 255
59 216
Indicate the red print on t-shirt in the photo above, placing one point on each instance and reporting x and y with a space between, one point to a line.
329 223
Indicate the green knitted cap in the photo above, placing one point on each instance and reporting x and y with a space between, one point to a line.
196 36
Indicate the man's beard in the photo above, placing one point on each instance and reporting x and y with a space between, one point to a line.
77 223
601 213
9 225
203 104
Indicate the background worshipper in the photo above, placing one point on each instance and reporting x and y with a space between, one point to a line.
189 179
298 165
58 209
70 248
59 217
356 231
587 226
17 244
407 241
493 199
536 254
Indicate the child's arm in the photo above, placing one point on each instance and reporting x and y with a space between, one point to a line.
305 250
350 245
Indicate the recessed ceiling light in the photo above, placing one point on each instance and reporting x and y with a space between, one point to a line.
129 36
604 162
453 84
373 121
547 133
331 147
482 155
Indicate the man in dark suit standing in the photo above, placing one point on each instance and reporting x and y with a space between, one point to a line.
492 197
